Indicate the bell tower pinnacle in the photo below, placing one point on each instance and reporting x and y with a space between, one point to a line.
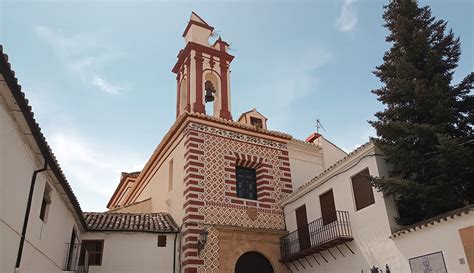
202 72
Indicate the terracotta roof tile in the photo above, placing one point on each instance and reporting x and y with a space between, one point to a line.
159 222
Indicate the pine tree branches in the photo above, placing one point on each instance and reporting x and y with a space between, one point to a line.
426 128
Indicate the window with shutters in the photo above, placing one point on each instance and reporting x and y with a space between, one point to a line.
363 194
246 183
95 249
161 240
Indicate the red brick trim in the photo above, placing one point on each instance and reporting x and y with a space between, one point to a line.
192 198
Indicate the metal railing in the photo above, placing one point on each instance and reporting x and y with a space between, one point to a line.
318 233
77 258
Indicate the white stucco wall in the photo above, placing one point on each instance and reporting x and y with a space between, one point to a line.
332 153
157 187
44 249
134 252
372 226
306 161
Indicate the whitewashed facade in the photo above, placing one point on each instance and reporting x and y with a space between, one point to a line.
372 239
21 153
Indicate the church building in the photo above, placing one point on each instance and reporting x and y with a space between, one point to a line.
219 194
216 176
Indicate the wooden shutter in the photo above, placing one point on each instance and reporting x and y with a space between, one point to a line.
363 194
161 240
328 208
303 228
467 239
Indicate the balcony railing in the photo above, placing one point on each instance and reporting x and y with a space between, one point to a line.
319 235
77 258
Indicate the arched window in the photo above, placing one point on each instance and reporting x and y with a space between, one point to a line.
253 262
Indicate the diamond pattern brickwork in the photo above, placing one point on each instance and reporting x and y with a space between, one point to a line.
210 200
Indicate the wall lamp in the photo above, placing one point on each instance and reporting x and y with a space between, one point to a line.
202 240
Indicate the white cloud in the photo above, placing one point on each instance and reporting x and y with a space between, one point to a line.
82 54
105 86
93 168
347 20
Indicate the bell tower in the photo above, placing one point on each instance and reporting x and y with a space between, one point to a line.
202 72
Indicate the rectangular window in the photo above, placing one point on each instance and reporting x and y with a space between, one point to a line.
303 227
161 240
256 122
170 175
45 203
362 189
95 249
328 207
246 182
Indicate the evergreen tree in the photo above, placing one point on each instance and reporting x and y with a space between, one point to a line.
426 130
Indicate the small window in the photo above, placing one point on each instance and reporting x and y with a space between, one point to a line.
161 240
246 183
256 122
95 249
170 175
362 188
45 203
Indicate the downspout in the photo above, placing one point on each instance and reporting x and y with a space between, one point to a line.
174 252
27 214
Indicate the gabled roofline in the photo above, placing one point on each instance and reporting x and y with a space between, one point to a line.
192 22
250 111
324 176
132 175
45 149
433 220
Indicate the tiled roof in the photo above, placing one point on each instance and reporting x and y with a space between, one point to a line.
304 142
239 125
134 174
9 75
432 221
160 222
181 119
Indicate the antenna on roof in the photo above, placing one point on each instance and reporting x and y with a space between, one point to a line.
319 125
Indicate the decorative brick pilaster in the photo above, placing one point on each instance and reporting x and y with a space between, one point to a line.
193 189
285 178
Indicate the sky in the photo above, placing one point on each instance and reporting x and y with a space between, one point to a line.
98 73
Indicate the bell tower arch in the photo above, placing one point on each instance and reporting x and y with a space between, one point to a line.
200 66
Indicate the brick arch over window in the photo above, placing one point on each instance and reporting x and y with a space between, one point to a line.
262 168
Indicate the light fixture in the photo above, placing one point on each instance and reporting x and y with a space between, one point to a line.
202 240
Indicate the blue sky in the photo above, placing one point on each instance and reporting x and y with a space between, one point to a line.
98 73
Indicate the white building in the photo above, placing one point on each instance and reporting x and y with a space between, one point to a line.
339 224
56 230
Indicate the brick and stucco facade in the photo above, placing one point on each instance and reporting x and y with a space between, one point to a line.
210 189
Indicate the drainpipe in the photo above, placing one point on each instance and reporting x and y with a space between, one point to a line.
174 252
27 214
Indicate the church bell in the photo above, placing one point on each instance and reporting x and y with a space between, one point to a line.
209 90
